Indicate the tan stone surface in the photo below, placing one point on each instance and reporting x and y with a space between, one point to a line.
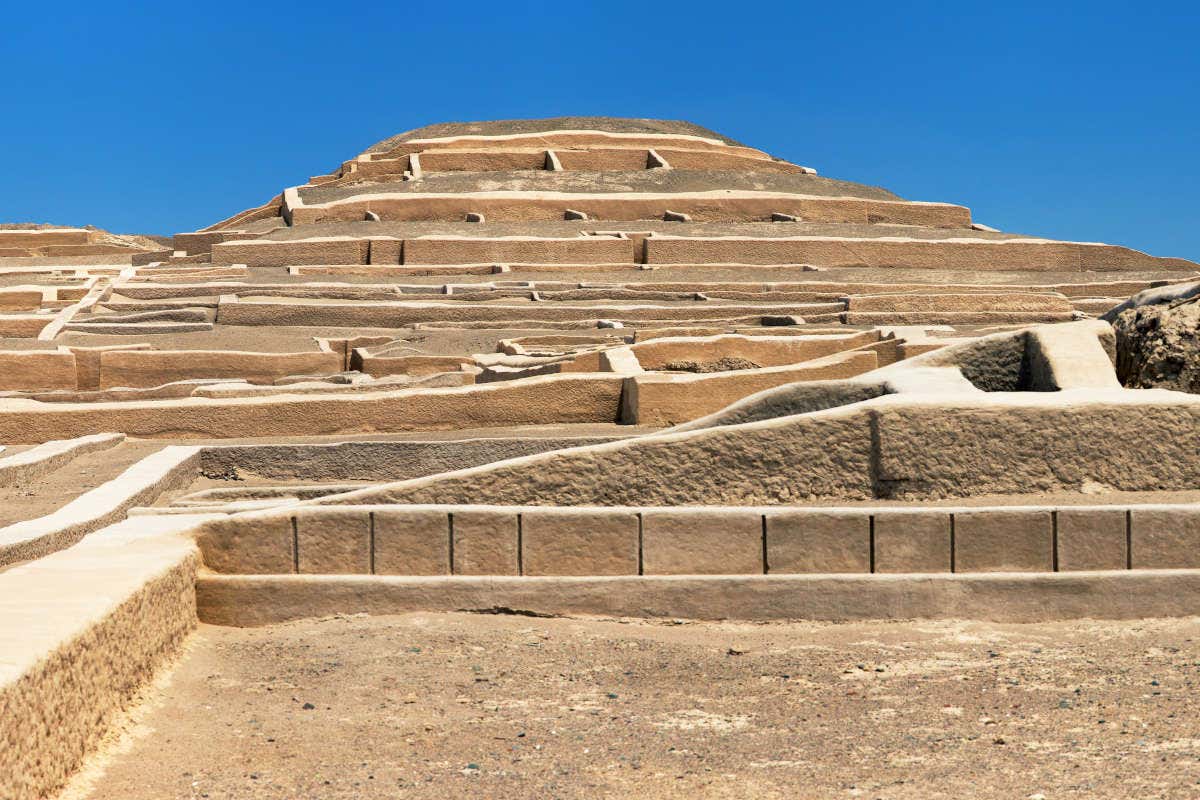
1165 539
814 542
333 541
81 631
1003 541
261 543
1091 539
912 542
415 542
485 543
670 399
147 368
701 542
568 542
553 399
963 254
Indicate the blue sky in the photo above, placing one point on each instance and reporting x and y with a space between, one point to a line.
1072 120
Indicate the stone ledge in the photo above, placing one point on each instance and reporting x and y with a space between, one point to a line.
995 597
45 458
80 632
171 467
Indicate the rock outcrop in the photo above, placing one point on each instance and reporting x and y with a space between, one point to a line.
1158 346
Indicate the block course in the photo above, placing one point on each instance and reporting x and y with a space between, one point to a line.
581 541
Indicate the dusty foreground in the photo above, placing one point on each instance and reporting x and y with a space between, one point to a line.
463 705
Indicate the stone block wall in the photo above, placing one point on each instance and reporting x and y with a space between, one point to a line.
622 540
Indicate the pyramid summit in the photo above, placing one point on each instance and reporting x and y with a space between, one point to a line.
672 193
583 366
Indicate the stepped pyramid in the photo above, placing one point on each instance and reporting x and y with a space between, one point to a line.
575 365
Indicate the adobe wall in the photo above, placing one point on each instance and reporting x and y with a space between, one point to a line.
25 239
978 255
539 401
479 160
374 461
267 210
150 368
896 446
714 206
203 241
88 627
382 365
532 541
141 483
602 159
401 314
23 326
18 299
687 158
578 250
999 597
936 300
271 253
41 370
765 350
762 463
669 399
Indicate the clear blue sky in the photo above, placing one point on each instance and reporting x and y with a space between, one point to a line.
1071 120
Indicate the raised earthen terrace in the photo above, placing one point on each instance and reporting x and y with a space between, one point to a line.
569 457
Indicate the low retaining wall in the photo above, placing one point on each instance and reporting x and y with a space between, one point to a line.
46 458
264 599
23 326
555 399
565 138
377 461
475 161
149 368
81 631
42 237
976 255
716 206
936 300
518 250
40 370
764 350
273 253
670 399
903 445
548 541
379 366
140 484
407 314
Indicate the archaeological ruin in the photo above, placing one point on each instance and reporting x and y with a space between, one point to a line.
594 366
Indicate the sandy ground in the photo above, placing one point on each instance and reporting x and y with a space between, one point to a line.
460 705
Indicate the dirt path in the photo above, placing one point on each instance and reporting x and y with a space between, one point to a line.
456 705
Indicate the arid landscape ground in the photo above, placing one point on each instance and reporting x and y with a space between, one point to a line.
441 705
